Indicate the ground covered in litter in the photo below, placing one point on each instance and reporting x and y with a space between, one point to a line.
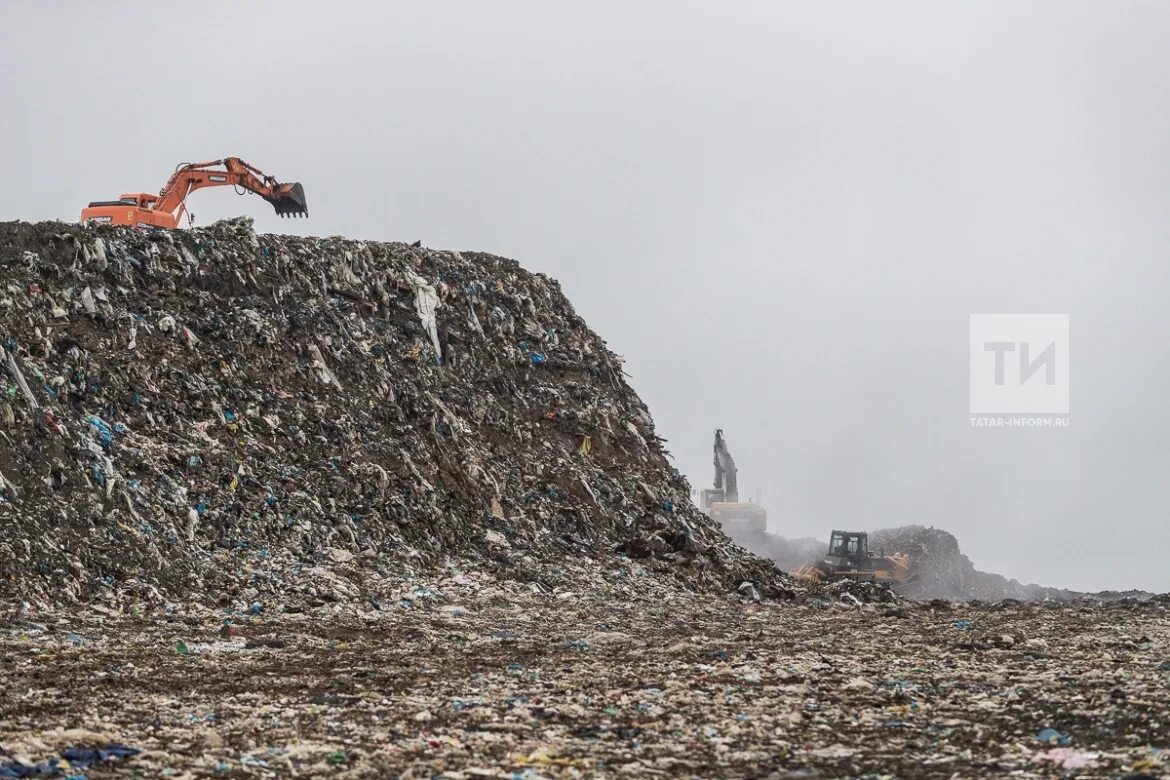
469 676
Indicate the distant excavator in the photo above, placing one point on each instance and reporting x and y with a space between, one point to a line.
166 210
849 557
722 502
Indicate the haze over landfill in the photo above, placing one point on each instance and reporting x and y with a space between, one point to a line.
781 214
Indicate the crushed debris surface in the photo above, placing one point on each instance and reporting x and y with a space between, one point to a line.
467 677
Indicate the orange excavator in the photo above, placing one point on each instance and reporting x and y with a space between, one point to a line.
165 210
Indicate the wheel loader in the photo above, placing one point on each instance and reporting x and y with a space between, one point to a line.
849 556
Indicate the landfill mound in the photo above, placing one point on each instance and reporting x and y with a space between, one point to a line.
940 570
218 415
938 567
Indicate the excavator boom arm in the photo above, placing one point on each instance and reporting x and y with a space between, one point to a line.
285 198
725 471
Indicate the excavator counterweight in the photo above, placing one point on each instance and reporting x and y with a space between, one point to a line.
166 209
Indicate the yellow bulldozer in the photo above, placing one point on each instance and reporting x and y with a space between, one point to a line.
849 557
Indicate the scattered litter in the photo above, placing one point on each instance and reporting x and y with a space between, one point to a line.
1068 758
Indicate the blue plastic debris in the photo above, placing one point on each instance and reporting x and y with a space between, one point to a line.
105 435
1054 737
78 758
42 769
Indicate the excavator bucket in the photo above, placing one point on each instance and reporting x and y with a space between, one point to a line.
289 200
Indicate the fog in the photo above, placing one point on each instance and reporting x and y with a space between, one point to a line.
781 213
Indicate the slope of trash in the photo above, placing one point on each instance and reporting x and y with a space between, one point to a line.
228 416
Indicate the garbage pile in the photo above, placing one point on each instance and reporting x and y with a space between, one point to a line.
940 570
225 416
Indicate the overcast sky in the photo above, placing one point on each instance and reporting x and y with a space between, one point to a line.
781 213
